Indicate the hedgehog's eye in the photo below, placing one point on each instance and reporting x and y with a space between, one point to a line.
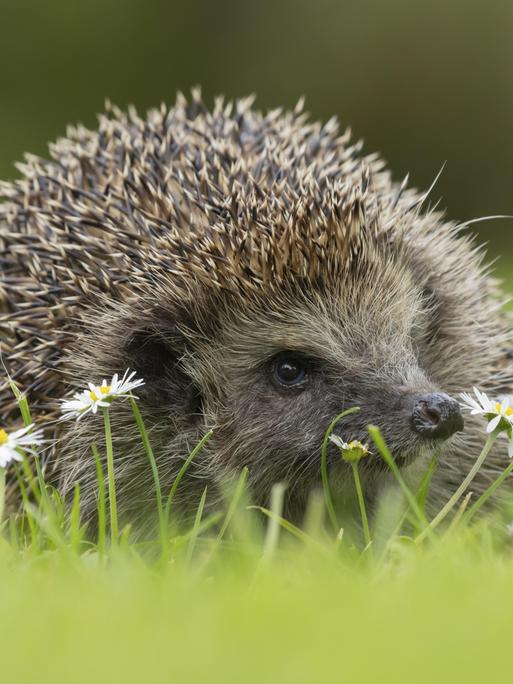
289 370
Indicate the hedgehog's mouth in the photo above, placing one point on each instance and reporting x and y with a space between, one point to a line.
425 450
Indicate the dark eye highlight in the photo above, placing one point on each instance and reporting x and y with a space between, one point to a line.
289 370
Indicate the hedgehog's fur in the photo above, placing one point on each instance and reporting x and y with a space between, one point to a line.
195 245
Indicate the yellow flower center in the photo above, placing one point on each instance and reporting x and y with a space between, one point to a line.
356 444
354 451
3 436
499 409
103 391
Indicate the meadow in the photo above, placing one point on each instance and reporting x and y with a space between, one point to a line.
244 595
443 614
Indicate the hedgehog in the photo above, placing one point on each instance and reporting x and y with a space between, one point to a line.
261 274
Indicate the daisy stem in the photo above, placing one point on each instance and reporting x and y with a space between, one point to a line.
487 494
324 467
102 534
361 501
461 489
114 532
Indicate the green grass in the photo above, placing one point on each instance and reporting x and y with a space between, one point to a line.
442 615
248 597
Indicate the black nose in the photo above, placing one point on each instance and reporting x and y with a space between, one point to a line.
436 416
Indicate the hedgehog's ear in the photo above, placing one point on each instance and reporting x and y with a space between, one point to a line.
156 358
149 354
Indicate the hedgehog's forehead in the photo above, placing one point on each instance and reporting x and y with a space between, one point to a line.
373 298
252 234
261 251
286 206
360 316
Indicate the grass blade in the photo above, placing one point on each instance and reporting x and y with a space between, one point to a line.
273 528
163 531
199 446
378 440
22 403
461 489
487 494
195 529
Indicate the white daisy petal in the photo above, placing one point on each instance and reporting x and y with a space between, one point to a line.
497 412
13 444
99 396
338 441
351 452
470 403
493 423
5 456
481 396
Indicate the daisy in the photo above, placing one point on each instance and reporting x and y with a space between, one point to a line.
496 412
13 444
352 451
99 396
499 414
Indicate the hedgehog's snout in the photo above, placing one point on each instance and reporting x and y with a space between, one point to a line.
436 416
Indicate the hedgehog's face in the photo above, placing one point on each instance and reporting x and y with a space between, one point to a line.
398 335
285 366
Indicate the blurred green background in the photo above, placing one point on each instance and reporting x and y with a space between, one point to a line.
422 82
